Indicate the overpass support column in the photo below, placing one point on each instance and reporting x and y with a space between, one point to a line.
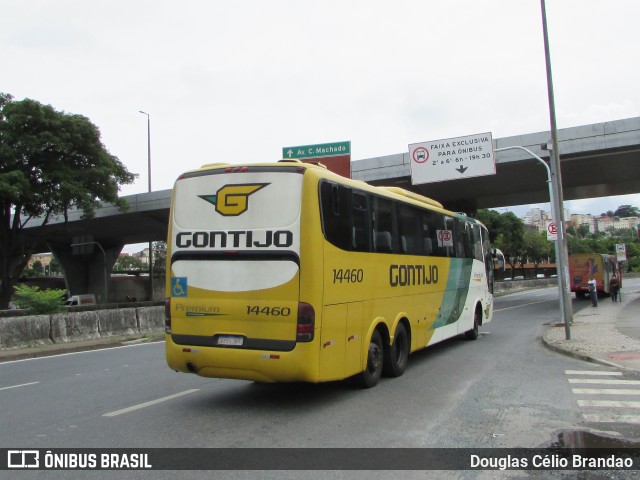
87 267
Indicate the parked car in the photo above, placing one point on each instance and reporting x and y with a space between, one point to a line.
87 299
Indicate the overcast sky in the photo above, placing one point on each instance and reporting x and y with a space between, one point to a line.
237 80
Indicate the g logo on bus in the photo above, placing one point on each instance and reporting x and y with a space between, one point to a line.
233 200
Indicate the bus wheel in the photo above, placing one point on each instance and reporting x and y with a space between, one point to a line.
396 361
473 333
371 375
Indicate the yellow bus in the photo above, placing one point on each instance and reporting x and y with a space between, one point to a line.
283 272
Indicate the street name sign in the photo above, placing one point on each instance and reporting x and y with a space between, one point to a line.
305 152
452 158
335 156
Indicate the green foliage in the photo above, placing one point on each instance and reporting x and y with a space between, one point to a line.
39 302
506 232
128 263
159 259
627 211
50 161
536 247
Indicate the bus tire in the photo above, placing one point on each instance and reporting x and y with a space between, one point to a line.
396 360
474 332
373 371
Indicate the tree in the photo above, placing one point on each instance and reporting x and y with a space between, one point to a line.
506 232
537 248
55 268
38 268
159 259
627 211
583 231
50 161
128 263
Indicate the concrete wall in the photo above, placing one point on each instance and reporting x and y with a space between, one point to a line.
80 324
89 322
502 288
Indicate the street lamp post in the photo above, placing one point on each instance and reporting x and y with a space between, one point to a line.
556 177
149 183
558 242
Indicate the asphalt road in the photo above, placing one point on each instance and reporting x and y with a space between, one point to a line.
503 390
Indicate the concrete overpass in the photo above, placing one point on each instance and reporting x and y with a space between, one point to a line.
597 160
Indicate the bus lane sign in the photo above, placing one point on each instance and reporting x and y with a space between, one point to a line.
452 158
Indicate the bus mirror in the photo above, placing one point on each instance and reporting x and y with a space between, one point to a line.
498 257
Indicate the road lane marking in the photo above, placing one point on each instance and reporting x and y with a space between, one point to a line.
21 385
611 418
97 350
150 403
593 372
603 381
609 403
524 305
605 391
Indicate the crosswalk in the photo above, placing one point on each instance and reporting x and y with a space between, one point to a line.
605 396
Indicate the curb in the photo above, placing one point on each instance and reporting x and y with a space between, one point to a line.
581 356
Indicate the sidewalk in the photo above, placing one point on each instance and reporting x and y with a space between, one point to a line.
608 334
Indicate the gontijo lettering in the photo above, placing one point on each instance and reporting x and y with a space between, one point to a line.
406 275
235 239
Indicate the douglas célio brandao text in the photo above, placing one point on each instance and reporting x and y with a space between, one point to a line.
550 462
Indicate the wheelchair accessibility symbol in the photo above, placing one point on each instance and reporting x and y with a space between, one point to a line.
179 287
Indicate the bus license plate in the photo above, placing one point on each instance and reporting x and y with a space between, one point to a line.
230 341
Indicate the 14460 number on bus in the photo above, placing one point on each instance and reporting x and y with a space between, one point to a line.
348 275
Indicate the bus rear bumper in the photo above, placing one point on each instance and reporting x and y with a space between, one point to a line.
243 364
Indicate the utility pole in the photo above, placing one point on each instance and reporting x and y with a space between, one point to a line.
149 181
562 260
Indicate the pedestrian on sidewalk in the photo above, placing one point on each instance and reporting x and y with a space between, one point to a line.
593 290
614 286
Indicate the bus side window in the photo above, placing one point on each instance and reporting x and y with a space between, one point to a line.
477 242
359 222
410 236
463 237
335 214
488 257
383 225
432 223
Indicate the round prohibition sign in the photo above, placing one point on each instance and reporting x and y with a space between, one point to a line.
420 155
444 235
552 228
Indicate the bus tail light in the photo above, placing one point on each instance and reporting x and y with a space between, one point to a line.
306 322
167 315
